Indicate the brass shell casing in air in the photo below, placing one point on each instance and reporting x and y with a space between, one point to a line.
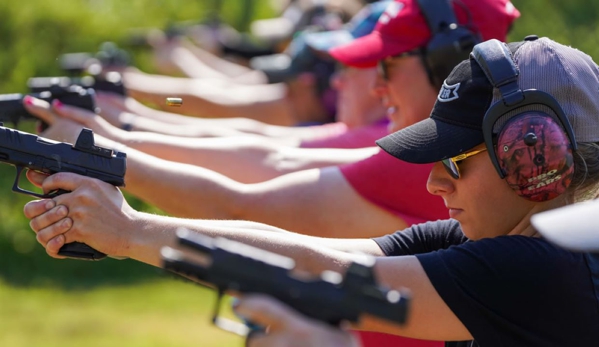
174 102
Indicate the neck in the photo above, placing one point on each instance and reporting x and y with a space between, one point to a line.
524 228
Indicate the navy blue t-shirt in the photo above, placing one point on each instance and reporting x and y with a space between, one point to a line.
508 290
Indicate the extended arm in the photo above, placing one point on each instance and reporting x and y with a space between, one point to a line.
120 111
313 202
98 215
246 159
266 103
196 62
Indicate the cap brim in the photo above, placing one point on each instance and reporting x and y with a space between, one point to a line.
272 29
366 51
573 227
276 67
324 41
429 141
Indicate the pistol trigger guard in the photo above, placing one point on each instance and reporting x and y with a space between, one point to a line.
16 188
219 299
227 324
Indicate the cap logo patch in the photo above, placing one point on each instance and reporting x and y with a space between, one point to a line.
391 12
448 92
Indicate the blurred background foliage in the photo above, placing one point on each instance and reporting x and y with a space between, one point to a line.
47 302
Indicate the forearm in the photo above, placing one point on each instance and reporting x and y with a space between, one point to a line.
223 127
152 232
214 68
246 159
265 103
191 129
216 63
181 189
144 111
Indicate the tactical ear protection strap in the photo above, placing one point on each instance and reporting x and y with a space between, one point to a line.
548 160
449 43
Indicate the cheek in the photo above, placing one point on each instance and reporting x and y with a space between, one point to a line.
496 208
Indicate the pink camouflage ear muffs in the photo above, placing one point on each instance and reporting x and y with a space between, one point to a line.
532 151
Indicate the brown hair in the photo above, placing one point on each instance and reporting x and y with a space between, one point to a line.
585 183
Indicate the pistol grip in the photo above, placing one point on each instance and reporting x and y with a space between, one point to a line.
78 250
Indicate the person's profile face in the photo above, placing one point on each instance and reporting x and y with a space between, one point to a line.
405 91
355 107
480 200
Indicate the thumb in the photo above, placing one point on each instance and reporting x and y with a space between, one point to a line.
266 311
76 114
39 108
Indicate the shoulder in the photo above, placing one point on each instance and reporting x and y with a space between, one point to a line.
422 238
516 288
396 186
511 251
385 162
506 259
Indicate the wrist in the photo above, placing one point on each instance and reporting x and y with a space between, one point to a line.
127 120
140 241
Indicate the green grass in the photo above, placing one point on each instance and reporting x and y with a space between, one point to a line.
154 313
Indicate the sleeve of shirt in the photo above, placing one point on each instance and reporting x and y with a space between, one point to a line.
396 186
422 238
514 290
320 134
348 138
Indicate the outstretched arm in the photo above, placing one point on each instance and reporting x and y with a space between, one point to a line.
246 159
313 202
266 103
120 111
96 213
196 62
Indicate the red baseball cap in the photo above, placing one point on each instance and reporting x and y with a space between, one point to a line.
403 28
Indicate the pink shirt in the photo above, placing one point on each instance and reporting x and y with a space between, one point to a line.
337 135
396 186
399 188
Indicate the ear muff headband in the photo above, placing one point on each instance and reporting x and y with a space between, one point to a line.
449 43
496 61
438 14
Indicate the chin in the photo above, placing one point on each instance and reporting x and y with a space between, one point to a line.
468 232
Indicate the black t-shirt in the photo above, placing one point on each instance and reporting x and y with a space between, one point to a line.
508 290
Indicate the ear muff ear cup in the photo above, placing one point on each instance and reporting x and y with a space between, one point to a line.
446 50
450 43
535 154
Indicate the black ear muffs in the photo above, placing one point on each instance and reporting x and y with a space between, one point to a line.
532 151
449 43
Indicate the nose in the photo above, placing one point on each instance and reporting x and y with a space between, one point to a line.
379 88
439 182
336 80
